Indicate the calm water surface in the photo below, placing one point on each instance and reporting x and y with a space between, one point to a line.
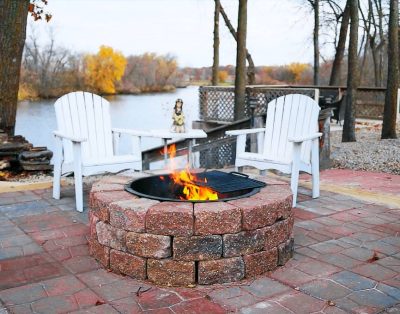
36 119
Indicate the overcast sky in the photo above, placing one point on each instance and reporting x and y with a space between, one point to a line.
279 31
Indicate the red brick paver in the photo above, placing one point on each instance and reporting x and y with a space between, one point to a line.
347 259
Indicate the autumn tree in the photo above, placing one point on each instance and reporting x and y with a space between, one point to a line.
104 69
240 74
149 73
348 134
297 70
389 113
222 76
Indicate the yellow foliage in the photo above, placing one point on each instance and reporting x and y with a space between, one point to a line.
26 91
297 69
222 76
104 69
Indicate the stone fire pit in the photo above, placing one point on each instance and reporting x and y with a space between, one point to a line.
181 244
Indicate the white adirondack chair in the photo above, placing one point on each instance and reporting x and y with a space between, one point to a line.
85 142
289 141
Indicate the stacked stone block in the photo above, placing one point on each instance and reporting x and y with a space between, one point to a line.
181 244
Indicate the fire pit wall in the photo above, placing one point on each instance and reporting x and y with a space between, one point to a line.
181 244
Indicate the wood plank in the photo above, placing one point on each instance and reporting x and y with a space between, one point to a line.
287 111
99 123
82 118
91 125
276 133
107 127
269 125
66 117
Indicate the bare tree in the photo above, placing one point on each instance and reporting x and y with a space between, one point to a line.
389 114
45 67
251 72
352 76
240 74
214 80
374 24
315 6
340 47
12 38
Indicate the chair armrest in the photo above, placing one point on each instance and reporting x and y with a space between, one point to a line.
131 132
245 131
304 138
67 137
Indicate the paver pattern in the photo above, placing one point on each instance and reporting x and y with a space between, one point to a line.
347 260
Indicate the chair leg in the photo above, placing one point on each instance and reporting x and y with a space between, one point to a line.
238 169
58 159
315 169
78 177
294 180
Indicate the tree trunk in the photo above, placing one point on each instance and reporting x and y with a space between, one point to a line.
251 72
341 46
13 16
240 75
352 76
389 113
215 66
316 42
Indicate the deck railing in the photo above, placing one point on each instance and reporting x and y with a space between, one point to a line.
217 103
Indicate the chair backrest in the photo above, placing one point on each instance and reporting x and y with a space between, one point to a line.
85 115
289 116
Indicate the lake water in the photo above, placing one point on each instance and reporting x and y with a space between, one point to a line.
36 120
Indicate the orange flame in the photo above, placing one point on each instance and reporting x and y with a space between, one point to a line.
185 178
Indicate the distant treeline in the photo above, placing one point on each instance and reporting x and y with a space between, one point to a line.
293 73
50 71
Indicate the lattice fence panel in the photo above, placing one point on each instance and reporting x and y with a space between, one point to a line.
217 103
218 156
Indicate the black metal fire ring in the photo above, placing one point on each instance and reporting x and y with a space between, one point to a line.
153 187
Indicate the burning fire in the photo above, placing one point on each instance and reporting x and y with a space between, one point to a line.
185 178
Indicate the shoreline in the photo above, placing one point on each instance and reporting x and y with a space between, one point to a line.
161 91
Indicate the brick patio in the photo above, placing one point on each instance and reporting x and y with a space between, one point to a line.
347 259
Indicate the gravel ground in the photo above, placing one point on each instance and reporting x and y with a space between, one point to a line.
369 153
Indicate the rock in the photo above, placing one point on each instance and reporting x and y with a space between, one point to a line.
148 245
110 236
13 147
245 242
276 234
4 164
171 273
37 167
170 218
128 264
197 248
43 154
99 252
261 262
220 271
131 214
285 251
216 218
